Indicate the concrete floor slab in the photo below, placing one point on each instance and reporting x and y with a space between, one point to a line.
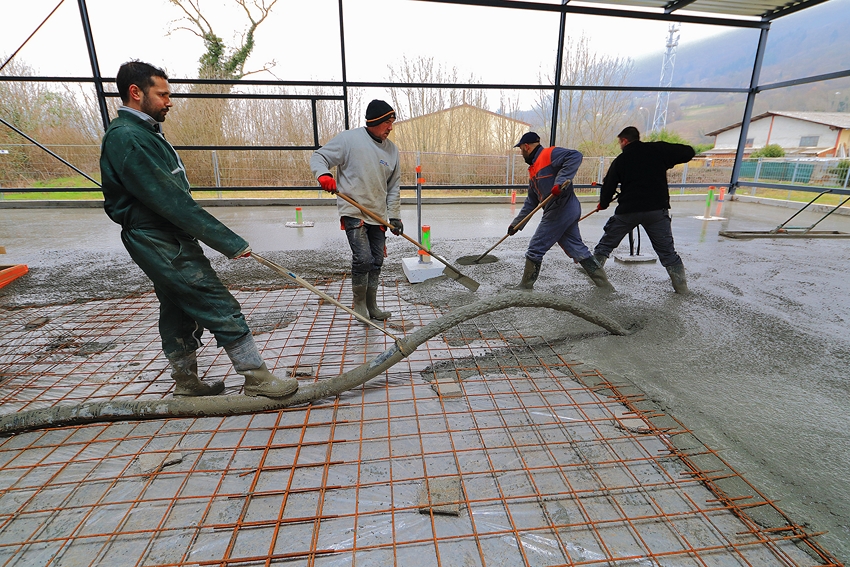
752 364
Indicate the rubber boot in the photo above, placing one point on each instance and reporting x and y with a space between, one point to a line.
678 278
529 275
359 287
184 370
372 298
596 272
259 381
600 259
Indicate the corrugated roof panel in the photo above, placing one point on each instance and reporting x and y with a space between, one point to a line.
752 8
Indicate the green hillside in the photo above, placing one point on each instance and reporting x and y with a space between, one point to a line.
811 42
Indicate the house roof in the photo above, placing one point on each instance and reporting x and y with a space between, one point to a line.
834 119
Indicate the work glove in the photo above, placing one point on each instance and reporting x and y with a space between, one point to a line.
397 226
556 191
599 207
328 183
512 230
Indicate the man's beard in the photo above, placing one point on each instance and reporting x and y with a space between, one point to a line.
149 109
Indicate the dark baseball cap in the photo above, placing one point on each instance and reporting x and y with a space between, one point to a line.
528 138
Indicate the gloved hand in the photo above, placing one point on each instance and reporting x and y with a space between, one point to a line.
245 254
556 190
397 226
512 230
599 207
328 183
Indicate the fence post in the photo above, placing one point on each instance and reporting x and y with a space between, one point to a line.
684 178
507 173
216 172
793 177
846 176
600 173
756 176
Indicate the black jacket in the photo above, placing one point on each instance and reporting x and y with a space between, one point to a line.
641 173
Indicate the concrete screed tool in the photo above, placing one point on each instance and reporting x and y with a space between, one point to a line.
467 260
450 270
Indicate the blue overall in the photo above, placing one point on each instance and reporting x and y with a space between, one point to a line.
559 224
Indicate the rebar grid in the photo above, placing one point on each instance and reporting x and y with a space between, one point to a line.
556 464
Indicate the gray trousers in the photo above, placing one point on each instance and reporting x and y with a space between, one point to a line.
657 225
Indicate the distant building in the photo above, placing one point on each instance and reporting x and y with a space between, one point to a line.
800 134
463 129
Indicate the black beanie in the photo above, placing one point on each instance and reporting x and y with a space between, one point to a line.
377 112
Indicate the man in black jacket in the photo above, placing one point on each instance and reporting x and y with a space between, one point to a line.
641 173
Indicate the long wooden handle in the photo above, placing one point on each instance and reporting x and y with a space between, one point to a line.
531 214
375 217
518 226
306 285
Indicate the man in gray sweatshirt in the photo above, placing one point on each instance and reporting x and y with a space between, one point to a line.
367 170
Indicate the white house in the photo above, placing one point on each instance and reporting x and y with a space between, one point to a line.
801 134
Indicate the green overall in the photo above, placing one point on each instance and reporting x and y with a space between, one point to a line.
146 191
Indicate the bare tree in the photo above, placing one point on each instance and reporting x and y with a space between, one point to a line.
587 117
450 119
221 61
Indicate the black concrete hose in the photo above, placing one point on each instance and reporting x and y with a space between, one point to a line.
105 411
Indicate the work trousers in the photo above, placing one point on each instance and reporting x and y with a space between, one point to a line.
657 225
559 225
368 245
191 296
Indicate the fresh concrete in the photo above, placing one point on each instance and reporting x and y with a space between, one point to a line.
754 361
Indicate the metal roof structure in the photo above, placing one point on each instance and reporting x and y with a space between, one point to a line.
753 11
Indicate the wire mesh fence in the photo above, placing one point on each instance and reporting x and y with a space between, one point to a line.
27 167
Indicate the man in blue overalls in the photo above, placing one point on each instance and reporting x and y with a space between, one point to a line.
551 171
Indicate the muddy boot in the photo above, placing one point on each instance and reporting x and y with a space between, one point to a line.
372 298
184 370
597 273
600 259
259 381
359 286
529 275
677 277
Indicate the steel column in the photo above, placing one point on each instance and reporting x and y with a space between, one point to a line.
95 67
748 109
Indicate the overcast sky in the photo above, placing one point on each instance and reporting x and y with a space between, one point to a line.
498 45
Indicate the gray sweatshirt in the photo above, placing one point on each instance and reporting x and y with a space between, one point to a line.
366 171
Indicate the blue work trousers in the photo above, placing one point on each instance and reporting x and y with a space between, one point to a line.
559 225
657 225
368 245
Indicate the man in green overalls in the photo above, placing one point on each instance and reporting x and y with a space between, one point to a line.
146 191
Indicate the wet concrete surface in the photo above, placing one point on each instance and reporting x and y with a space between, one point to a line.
754 361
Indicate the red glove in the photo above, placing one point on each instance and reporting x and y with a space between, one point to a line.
245 254
556 190
328 183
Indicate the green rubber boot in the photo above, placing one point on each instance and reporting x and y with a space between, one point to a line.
597 273
529 275
372 298
678 278
184 370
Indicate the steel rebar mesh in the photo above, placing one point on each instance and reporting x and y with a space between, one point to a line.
553 463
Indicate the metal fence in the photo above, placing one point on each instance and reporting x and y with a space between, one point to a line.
25 168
